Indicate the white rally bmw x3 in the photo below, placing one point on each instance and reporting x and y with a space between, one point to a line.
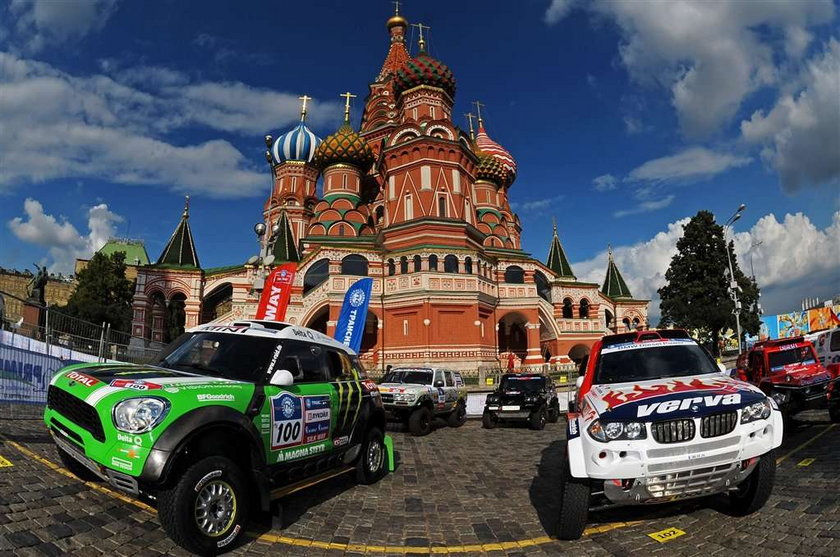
655 419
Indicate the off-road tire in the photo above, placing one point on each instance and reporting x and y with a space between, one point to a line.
458 416
420 422
834 411
538 418
77 468
177 505
752 493
488 421
373 458
574 505
554 413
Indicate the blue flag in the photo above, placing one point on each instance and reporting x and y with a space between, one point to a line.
351 321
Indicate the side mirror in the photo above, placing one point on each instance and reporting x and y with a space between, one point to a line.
282 378
579 382
438 383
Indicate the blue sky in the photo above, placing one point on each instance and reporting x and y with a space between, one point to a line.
624 119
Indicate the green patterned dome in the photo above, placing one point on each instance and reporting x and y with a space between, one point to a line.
424 70
344 146
491 169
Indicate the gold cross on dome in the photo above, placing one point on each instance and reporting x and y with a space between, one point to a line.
347 96
470 117
420 27
304 98
396 4
478 106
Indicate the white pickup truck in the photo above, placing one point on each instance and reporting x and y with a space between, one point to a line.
655 420
417 394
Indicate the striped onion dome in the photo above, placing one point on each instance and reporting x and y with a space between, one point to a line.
491 169
487 145
297 144
424 70
344 146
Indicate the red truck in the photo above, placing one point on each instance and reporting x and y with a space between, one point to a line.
788 371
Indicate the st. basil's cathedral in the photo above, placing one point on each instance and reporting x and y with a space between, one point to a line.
422 207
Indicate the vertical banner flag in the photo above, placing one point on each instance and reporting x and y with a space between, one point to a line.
351 321
276 293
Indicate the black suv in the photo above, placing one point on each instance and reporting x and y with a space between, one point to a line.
522 396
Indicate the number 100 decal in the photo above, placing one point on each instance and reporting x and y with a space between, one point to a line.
292 426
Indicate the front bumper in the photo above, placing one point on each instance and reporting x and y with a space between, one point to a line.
794 399
118 480
653 464
509 411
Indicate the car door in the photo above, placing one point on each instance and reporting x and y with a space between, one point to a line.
296 420
439 390
451 391
346 387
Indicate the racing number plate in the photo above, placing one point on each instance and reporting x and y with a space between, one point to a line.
510 407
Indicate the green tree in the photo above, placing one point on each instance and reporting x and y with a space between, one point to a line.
696 296
103 294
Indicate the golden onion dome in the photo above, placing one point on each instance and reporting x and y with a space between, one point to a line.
397 20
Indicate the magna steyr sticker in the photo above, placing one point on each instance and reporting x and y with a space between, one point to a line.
299 420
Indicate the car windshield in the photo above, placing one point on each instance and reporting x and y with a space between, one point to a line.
793 356
641 362
412 376
231 356
528 383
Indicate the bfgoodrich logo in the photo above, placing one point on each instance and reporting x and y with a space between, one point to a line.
213 398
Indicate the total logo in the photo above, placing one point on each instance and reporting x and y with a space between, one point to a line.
687 403
85 380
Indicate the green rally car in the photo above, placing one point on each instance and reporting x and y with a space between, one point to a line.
231 418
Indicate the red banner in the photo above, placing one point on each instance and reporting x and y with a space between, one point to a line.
276 293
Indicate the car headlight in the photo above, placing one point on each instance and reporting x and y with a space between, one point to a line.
493 399
780 397
615 431
139 415
404 397
756 411
532 398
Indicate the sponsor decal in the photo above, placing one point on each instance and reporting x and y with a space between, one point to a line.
695 403
207 477
617 397
274 357
130 453
574 431
172 390
137 385
371 386
645 345
230 538
301 452
210 397
85 380
121 464
299 420
227 329
132 439
341 441
441 396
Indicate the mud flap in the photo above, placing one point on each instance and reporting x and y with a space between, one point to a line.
389 449
577 461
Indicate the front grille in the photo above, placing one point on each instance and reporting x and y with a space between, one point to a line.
691 483
718 424
673 431
387 397
76 410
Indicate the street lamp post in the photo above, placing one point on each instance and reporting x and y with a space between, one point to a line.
733 284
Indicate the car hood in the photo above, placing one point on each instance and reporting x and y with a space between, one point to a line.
403 388
95 382
669 398
800 375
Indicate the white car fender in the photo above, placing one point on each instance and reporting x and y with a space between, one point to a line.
574 447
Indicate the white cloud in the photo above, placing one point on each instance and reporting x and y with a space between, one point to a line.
708 55
535 204
113 128
795 260
646 206
63 241
43 22
557 10
690 164
801 133
605 182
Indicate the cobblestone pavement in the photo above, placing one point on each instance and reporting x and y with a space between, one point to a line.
464 490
